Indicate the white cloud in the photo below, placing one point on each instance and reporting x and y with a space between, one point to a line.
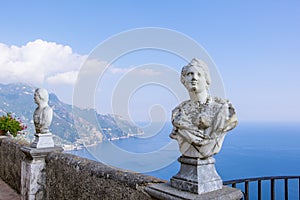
40 62
116 70
57 68
148 72
93 66
138 71
37 62
66 78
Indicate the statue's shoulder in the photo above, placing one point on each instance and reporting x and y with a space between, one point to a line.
181 106
219 100
47 109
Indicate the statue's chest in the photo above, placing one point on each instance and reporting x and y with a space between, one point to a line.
37 115
196 109
202 114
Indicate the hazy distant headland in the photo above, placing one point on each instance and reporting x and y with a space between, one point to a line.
18 100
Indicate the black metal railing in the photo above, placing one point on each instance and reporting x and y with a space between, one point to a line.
277 186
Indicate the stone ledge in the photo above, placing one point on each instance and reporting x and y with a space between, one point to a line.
164 191
71 177
101 170
31 152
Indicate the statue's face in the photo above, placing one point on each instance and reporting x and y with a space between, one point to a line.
194 80
37 98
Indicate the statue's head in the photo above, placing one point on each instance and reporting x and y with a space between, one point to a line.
195 76
41 95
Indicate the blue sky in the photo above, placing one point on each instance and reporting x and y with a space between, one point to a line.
255 45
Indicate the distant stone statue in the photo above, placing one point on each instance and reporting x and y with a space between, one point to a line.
42 116
201 123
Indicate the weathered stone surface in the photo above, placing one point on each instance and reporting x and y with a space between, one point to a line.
44 140
34 153
10 163
43 114
197 176
166 192
33 175
71 177
201 123
42 118
33 180
199 126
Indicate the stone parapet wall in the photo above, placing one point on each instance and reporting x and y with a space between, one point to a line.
72 177
49 174
10 163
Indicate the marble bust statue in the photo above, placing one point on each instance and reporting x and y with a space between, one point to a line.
201 123
199 126
42 116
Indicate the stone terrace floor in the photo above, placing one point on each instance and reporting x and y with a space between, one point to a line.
7 193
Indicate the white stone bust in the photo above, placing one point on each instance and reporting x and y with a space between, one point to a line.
201 123
42 116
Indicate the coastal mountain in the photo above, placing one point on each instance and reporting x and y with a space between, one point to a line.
70 125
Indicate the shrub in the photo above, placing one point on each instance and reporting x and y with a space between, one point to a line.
12 125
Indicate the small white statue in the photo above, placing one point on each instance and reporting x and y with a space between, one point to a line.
201 123
42 116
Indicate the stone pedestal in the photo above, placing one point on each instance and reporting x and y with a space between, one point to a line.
197 176
164 191
33 175
196 179
44 140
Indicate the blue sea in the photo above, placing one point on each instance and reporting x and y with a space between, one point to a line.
250 150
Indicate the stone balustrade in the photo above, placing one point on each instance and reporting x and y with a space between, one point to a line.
72 177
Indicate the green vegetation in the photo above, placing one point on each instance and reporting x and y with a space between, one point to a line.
12 125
